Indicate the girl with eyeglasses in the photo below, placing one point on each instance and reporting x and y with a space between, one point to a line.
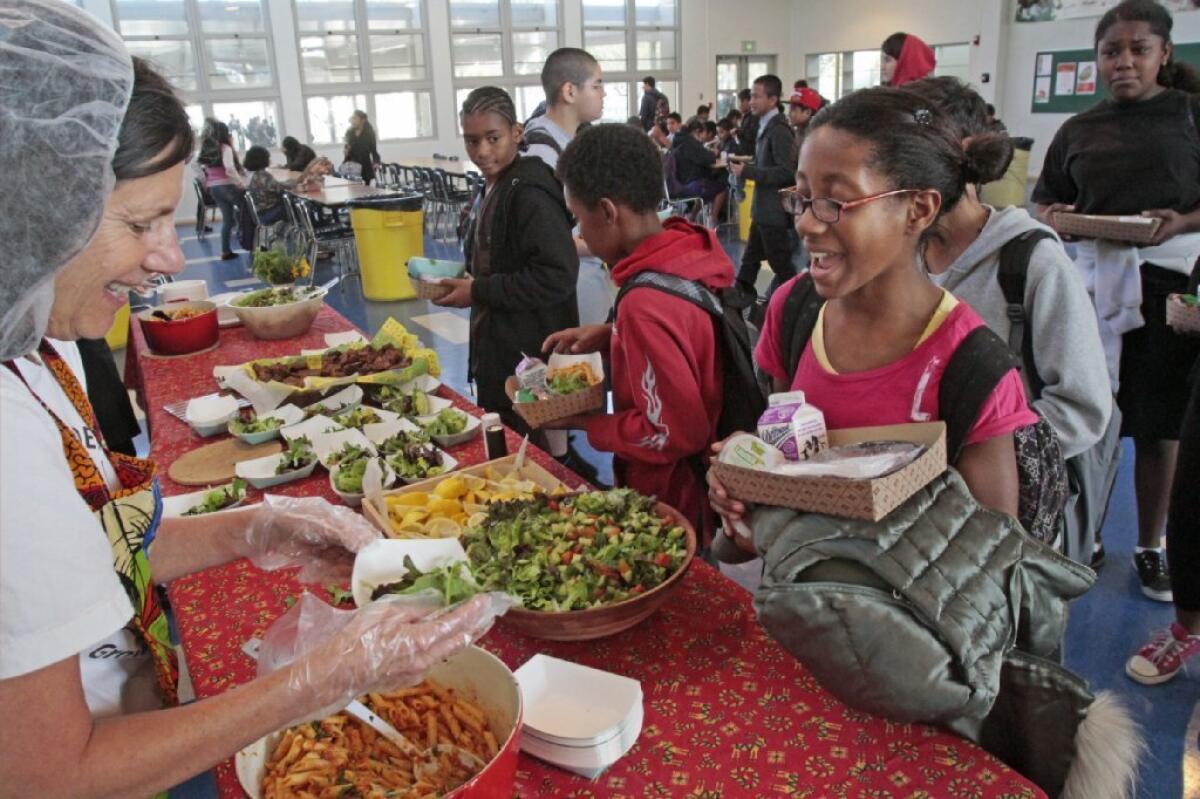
877 171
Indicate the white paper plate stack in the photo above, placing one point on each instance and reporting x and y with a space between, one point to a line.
578 718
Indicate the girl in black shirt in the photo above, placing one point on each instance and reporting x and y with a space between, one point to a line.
360 145
1138 152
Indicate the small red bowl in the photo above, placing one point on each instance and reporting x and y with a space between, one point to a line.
182 336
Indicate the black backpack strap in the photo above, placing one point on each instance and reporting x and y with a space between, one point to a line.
800 312
541 137
682 288
975 369
1012 275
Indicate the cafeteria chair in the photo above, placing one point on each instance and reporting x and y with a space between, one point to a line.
691 208
330 232
350 170
204 203
264 235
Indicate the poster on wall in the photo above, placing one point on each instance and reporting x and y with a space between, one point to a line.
1045 64
1085 78
1065 83
1041 90
1049 10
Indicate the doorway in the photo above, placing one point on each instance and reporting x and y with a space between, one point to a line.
734 73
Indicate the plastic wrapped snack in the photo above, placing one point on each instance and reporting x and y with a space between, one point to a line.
864 461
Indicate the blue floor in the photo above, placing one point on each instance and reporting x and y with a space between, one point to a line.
1107 625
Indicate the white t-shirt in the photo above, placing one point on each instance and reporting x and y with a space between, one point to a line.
59 595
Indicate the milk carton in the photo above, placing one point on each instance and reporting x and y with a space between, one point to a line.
792 426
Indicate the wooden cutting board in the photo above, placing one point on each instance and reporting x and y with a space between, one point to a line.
215 463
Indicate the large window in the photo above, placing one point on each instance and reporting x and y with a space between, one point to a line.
217 53
503 43
368 55
834 75
632 39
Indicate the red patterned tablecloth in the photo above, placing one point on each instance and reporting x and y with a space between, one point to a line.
728 713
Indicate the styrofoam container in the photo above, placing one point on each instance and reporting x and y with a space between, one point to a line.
382 561
469 432
384 415
290 415
260 472
474 673
310 428
174 507
449 464
326 444
379 432
209 415
352 499
588 761
575 705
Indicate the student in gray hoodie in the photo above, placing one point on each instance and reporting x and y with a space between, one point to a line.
964 258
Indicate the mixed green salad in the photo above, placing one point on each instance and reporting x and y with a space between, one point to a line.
349 476
453 582
264 298
567 383
448 422
219 499
357 418
412 456
249 423
575 552
298 455
349 453
405 403
1190 299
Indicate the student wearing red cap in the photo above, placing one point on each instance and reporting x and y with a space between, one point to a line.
905 58
801 107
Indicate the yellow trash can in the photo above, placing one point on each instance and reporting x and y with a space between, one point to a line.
387 233
118 335
744 210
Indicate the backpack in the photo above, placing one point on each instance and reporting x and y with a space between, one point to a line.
973 372
1090 474
744 401
541 137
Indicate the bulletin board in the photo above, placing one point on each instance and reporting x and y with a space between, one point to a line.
1067 81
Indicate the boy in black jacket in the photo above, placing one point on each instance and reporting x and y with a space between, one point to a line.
519 250
774 168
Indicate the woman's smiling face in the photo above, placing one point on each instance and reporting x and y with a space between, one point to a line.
135 239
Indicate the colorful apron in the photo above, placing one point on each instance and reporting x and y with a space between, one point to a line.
129 516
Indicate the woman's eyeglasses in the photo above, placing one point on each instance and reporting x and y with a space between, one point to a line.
827 209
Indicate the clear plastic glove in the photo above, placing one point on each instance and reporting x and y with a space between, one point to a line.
308 532
333 656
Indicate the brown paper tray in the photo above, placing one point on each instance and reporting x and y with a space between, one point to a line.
1109 228
1183 318
545 411
529 471
427 290
852 499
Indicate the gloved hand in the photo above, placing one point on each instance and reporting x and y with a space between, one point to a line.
308 532
333 656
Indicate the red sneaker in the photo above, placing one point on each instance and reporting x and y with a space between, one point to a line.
1162 658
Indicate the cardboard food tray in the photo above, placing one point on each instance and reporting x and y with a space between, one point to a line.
1134 229
542 412
428 290
529 471
1181 317
854 499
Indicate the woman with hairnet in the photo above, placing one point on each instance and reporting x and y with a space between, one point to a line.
96 141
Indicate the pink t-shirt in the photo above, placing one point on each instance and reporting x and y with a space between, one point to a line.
901 392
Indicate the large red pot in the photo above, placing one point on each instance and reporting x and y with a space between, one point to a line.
179 337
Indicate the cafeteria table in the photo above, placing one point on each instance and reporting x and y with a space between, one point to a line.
459 167
728 712
330 181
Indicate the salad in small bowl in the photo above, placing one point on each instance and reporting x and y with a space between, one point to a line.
255 429
414 457
346 475
198 503
450 427
294 463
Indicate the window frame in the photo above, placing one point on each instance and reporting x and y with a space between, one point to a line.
367 84
204 95
845 65
632 74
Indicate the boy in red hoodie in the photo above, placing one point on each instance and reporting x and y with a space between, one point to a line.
664 354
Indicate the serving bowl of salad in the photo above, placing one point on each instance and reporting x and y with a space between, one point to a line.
280 311
585 565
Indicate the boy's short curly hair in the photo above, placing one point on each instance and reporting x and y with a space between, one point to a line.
615 162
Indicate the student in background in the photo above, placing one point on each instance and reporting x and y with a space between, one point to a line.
703 111
298 155
664 355
748 126
774 168
360 147
801 108
1137 152
905 58
726 136
521 257
710 136
651 99
267 192
694 169
222 177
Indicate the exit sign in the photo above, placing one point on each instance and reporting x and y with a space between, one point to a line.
749 47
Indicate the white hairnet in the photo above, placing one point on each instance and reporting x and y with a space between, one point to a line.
65 81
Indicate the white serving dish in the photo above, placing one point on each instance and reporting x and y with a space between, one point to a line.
449 464
379 432
174 507
587 761
260 472
385 416
209 415
355 500
574 705
382 561
471 430
289 414
225 315
310 428
325 444
183 291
